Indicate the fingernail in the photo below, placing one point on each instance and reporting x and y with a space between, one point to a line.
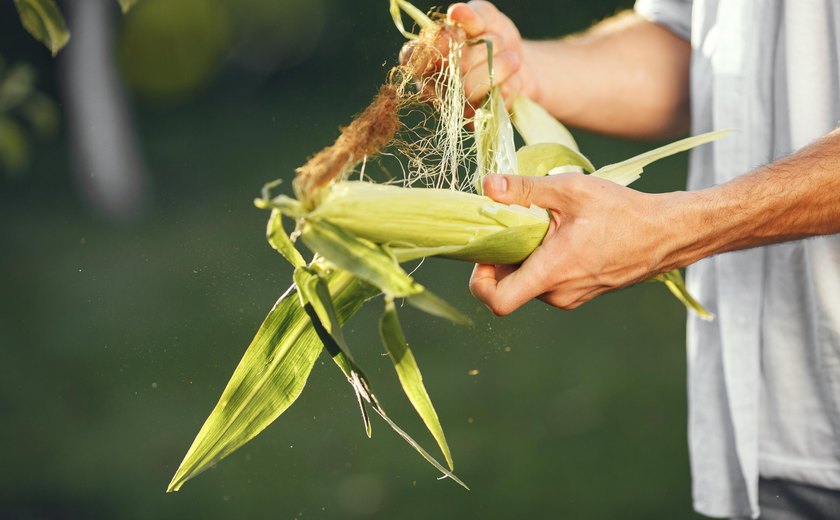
498 183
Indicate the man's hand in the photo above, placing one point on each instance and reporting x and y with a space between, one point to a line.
474 21
481 20
602 237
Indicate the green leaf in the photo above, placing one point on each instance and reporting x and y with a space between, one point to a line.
429 303
628 171
16 85
536 125
312 290
409 375
539 159
270 376
316 301
279 240
14 149
125 5
414 444
44 21
41 113
673 280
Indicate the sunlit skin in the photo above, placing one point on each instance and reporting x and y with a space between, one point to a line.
603 236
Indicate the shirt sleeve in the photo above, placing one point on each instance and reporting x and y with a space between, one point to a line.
674 15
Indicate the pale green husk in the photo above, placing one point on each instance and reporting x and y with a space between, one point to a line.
360 233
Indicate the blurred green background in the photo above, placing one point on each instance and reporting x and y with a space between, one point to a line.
120 327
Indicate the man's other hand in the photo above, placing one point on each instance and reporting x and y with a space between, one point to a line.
601 237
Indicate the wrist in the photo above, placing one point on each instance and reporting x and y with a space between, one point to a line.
689 230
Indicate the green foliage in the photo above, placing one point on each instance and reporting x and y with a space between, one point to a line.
43 20
14 149
168 50
21 103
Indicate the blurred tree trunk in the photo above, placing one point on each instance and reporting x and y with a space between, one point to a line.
108 165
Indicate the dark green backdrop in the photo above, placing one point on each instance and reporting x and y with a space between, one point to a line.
117 336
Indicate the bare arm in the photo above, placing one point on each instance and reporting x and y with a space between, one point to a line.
795 197
604 236
625 76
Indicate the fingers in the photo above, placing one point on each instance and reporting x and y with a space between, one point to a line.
505 290
568 301
477 77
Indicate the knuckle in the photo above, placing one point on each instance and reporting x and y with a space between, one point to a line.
510 62
475 288
526 191
499 308
580 182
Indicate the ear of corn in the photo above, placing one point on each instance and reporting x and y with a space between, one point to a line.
416 222
360 232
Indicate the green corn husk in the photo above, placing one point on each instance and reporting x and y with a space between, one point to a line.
360 232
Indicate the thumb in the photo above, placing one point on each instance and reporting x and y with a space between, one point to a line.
512 189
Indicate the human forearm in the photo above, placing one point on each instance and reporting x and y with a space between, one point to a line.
626 77
795 197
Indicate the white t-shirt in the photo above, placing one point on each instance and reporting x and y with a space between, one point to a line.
764 377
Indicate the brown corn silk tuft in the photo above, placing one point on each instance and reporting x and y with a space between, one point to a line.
372 130
414 86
